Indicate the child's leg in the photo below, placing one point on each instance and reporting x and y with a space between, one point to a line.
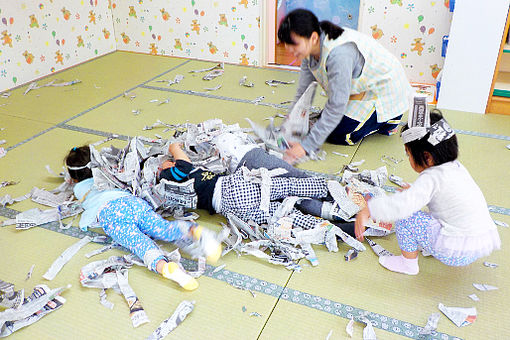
411 232
314 187
190 237
259 158
119 219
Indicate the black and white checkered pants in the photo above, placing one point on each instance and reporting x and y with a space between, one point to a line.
242 197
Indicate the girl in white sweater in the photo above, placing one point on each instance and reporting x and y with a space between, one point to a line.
457 229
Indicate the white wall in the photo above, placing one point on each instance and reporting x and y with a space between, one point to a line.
39 38
475 37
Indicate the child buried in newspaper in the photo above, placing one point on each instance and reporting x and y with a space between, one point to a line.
239 195
458 229
131 222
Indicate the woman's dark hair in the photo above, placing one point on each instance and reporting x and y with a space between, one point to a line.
303 23
445 151
79 156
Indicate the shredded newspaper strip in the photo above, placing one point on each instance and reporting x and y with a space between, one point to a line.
349 329
59 263
113 273
431 325
244 82
34 86
490 264
9 298
458 315
30 271
484 287
474 297
41 302
168 325
378 250
274 82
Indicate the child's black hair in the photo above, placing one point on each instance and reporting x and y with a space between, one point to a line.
445 151
303 23
79 156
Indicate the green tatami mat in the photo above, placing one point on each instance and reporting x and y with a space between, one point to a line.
229 82
306 323
101 79
364 284
117 116
488 123
218 312
13 134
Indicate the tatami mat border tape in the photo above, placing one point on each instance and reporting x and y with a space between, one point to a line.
247 282
212 96
95 106
280 106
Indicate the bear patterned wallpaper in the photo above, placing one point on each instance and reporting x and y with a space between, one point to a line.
219 30
412 30
41 37
44 36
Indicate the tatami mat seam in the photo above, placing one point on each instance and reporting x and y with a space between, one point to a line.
212 96
95 106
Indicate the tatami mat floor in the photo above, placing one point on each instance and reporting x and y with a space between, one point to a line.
41 126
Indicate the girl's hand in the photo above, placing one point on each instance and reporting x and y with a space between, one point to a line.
405 186
359 226
174 147
293 154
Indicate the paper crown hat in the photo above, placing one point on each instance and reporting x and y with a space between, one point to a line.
419 124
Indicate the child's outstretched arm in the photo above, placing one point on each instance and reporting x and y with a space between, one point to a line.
176 151
361 220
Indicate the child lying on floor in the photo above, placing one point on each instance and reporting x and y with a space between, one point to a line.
236 194
131 222
458 228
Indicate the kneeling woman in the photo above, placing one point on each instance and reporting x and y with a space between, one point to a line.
367 89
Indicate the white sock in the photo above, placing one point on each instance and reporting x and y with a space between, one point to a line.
400 264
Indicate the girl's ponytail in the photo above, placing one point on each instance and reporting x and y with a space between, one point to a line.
332 31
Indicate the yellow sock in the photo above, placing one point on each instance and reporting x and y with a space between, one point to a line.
172 272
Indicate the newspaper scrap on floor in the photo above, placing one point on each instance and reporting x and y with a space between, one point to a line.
431 325
129 95
3 152
30 271
350 327
244 82
34 86
168 325
474 297
483 287
217 87
458 315
368 331
7 183
501 223
340 154
329 334
398 181
274 82
378 250
177 79
2 141
9 298
59 263
218 66
490 264
35 217
42 301
351 254
113 273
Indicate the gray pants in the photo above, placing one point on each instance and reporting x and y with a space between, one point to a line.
259 158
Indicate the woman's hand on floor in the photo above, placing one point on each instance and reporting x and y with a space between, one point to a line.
293 154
